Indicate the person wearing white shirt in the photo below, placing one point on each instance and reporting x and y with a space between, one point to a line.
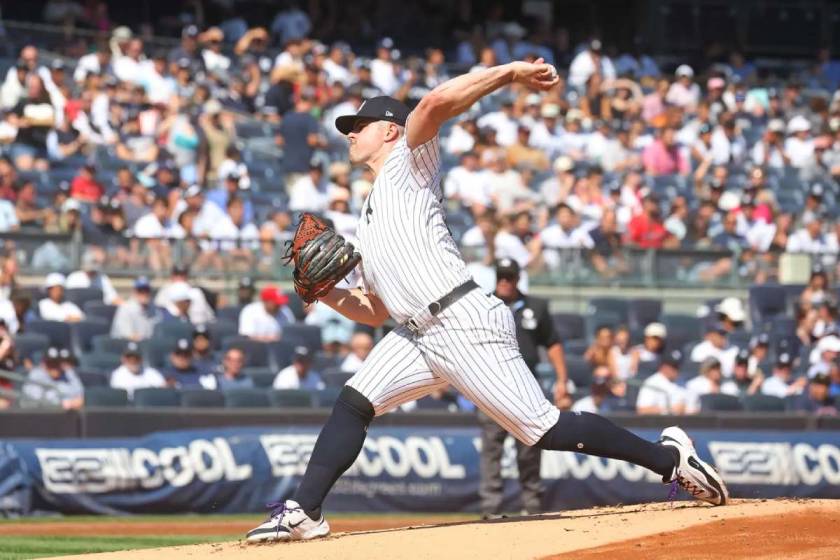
769 151
460 140
8 216
129 67
684 93
727 145
779 384
710 381
361 345
716 346
565 234
133 375
178 288
93 63
588 62
503 122
91 276
264 319
299 375
309 192
505 185
555 189
153 224
660 393
335 68
810 238
53 307
799 147
466 183
546 133
231 235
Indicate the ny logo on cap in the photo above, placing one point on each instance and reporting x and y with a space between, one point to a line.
389 114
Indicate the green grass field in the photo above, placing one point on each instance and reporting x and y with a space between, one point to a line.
18 548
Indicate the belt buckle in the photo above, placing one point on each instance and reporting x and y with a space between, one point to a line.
411 325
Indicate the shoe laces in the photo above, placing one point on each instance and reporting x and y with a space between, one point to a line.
278 509
689 486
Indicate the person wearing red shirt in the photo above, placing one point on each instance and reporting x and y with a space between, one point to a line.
646 229
85 187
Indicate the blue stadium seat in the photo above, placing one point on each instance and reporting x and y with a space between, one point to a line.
100 310
334 377
767 302
720 403
257 353
307 335
575 347
641 312
80 296
615 306
93 378
157 351
569 326
157 397
682 329
579 371
30 345
291 398
763 403
220 331
296 306
247 398
282 353
105 396
100 362
83 332
325 398
57 332
173 330
202 398
229 313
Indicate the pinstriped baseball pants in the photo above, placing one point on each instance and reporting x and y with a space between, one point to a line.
472 346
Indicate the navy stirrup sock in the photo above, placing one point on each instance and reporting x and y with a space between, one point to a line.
337 446
595 435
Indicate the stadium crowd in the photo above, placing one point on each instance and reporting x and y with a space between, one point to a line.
200 155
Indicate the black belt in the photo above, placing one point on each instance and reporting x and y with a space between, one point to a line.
437 307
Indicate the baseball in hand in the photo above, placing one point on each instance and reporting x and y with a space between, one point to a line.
553 72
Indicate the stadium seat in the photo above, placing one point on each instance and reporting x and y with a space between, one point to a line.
429 403
57 332
247 398
579 371
641 312
30 345
646 369
720 403
100 362
282 352
682 329
157 397
569 326
334 377
766 302
616 306
763 403
307 335
325 398
100 310
105 396
296 306
108 345
602 318
202 398
158 350
291 398
82 333
229 313
93 378
80 296
257 353
221 330
172 330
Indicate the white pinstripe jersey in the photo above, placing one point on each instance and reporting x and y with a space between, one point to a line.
409 258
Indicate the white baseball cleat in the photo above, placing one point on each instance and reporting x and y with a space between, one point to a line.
288 522
694 475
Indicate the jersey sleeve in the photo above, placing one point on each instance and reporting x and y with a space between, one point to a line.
416 168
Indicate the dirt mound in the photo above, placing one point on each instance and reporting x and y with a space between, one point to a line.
792 529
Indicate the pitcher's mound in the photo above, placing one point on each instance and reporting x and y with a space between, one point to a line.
763 529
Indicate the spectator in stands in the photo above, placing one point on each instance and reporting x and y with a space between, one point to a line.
85 187
9 358
233 238
664 156
646 230
759 350
598 353
520 153
300 135
780 383
652 347
50 383
178 308
245 291
809 239
151 230
361 344
816 290
716 345
621 359
264 319
233 187
8 217
181 372
8 274
731 314
299 375
200 312
660 393
819 320
34 116
602 397
135 318
825 354
53 307
816 398
606 255
557 239
91 276
132 374
744 382
710 381
684 93
590 61
203 349
336 329
229 374
29 212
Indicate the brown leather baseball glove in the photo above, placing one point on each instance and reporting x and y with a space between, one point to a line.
321 257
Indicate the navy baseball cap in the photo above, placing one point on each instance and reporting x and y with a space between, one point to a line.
673 358
132 349
507 267
784 360
743 356
382 108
